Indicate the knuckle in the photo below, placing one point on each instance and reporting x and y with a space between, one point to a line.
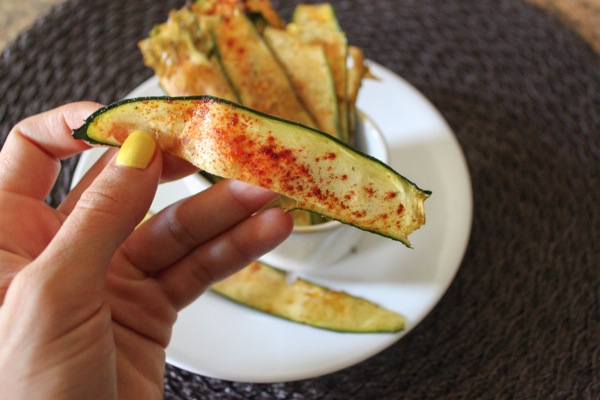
203 273
178 229
100 202
242 253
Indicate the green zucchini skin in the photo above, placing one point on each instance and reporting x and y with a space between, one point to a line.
321 173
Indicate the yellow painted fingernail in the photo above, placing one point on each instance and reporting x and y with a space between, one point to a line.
137 150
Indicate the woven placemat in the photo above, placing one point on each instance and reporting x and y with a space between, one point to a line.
522 93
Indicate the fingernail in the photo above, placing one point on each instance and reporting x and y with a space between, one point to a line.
137 150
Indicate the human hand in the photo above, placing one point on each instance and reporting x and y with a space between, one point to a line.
87 302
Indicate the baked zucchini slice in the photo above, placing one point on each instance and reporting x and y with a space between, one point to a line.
267 289
322 13
316 171
318 24
181 53
309 72
254 73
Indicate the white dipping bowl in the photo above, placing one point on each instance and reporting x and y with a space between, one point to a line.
316 246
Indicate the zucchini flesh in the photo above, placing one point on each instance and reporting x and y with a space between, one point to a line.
261 8
309 72
266 289
180 52
320 13
318 24
216 7
255 74
318 172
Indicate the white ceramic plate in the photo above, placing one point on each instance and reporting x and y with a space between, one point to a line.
220 339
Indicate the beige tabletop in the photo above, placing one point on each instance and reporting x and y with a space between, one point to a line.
582 15
16 16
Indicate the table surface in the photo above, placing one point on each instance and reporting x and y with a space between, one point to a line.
520 88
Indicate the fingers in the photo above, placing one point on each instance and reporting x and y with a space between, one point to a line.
105 215
180 228
30 158
224 255
71 199
204 238
173 168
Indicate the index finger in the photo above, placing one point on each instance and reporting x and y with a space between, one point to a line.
30 157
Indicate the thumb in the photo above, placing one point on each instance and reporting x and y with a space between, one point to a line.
105 215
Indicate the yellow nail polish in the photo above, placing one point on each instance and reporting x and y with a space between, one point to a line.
137 150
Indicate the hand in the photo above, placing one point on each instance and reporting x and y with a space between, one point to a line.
87 302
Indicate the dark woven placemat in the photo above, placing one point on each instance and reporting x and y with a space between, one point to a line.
522 93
